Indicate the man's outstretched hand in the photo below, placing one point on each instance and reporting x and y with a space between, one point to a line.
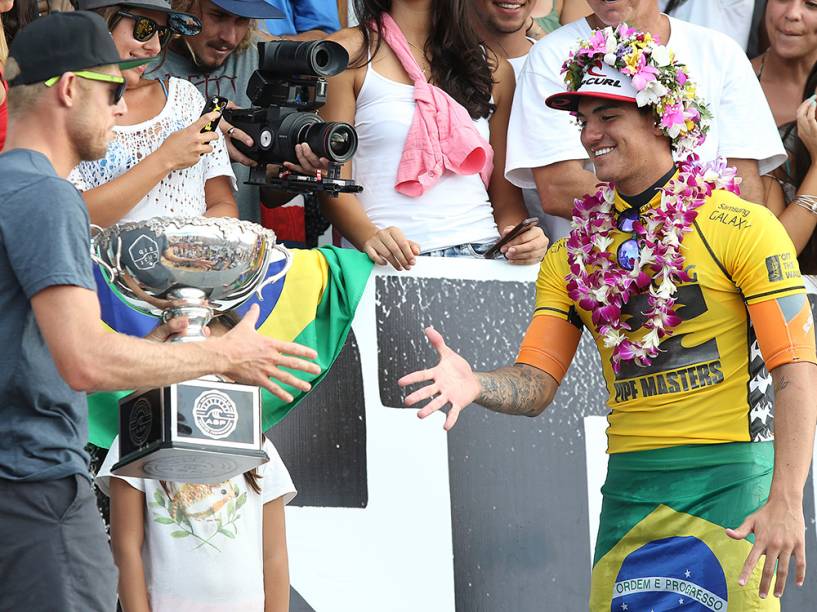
452 382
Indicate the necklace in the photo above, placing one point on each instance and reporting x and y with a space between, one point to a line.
425 66
601 286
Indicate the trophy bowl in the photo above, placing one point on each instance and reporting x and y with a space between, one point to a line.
209 429
188 266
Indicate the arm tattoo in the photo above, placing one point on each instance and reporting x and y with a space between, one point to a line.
519 389
781 384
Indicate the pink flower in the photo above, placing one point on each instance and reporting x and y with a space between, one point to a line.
681 77
598 43
644 75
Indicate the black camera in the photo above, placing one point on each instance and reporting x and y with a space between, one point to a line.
287 88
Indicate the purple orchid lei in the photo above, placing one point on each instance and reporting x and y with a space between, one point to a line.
600 286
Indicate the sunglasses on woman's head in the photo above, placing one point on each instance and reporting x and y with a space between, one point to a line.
628 251
145 28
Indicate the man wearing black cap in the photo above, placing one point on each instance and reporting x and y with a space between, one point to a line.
65 94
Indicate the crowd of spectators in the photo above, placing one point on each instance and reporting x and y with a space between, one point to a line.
456 146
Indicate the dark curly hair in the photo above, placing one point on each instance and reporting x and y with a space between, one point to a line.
459 63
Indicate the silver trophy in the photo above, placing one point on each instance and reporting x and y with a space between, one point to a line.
205 430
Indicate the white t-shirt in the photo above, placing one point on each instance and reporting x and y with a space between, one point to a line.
732 17
742 126
455 210
203 549
554 227
180 193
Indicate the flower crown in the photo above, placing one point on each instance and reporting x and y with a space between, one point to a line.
659 79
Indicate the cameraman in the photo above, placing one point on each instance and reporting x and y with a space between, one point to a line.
219 61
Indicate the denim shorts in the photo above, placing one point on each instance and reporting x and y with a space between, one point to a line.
469 249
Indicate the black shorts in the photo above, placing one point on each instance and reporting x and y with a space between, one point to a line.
54 554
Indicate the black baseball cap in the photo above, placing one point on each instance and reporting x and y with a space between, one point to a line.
249 9
184 24
64 42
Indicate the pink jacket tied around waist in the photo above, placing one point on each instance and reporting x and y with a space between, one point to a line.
442 136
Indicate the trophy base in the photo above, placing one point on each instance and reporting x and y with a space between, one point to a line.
188 463
201 431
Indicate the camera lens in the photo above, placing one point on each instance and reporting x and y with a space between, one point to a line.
334 141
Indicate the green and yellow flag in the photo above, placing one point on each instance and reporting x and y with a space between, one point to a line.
661 542
312 305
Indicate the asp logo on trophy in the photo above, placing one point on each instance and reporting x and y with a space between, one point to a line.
215 414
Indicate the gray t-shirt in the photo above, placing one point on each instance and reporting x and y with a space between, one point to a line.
44 241
230 81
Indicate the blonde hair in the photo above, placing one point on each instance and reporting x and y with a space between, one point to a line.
22 99
194 7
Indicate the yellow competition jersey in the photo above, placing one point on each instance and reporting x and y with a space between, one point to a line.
708 384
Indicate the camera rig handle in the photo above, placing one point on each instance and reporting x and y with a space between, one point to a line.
328 181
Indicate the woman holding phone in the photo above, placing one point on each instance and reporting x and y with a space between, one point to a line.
162 161
431 107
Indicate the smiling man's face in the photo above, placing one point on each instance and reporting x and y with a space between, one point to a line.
504 17
622 142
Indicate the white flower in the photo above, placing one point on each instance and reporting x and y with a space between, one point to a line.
651 340
613 338
646 257
600 293
675 130
602 242
661 56
610 59
667 288
651 94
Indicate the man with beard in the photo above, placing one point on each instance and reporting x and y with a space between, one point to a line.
65 94
219 61
544 152
666 267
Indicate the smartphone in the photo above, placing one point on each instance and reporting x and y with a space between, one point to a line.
215 103
521 227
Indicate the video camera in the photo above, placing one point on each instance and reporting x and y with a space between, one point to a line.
287 88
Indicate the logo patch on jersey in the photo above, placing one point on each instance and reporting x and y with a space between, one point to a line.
780 267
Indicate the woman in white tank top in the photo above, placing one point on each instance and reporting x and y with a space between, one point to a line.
457 215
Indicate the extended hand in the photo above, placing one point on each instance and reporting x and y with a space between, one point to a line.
255 358
390 245
779 530
453 382
529 247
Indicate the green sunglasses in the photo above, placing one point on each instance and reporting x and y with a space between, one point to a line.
117 93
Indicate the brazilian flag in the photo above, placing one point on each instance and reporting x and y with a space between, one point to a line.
312 305
661 542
